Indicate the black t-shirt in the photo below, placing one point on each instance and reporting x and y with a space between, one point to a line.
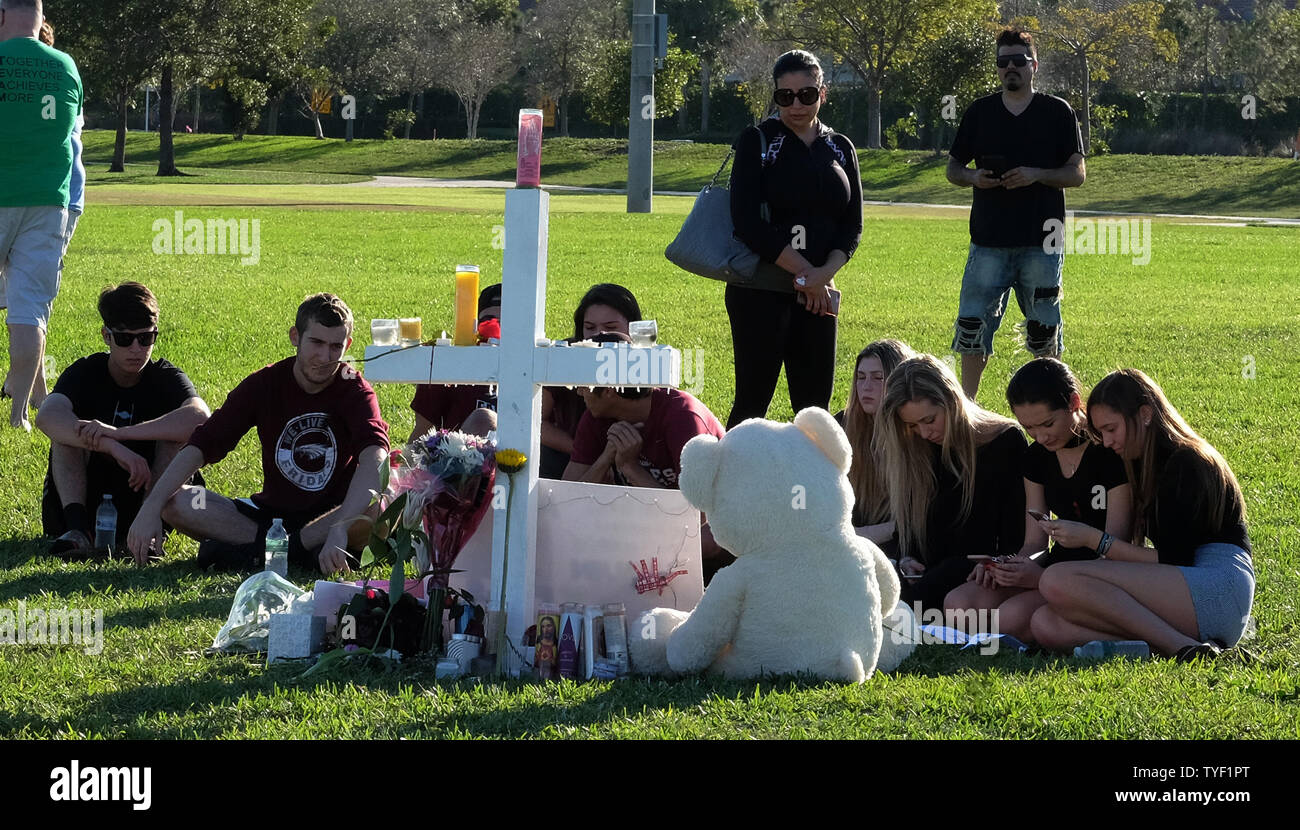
1179 520
95 396
996 524
1045 135
816 188
1075 498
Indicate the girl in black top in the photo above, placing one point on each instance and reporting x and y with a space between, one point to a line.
807 179
1065 474
953 474
1190 594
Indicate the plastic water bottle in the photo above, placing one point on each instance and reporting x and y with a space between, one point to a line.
277 548
106 525
1103 649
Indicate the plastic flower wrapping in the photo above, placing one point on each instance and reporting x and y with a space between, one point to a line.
448 477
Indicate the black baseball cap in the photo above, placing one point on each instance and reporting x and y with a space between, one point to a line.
490 296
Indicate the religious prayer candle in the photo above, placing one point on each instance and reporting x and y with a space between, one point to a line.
546 657
529 171
411 330
466 305
570 639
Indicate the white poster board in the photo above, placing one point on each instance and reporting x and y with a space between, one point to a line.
587 534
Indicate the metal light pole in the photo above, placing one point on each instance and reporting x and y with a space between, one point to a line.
641 110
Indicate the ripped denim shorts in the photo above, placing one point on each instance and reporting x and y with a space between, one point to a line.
991 274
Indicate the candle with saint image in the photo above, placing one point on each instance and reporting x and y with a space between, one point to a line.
529 171
466 305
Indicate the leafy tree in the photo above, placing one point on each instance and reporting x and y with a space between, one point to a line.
612 87
562 44
749 49
480 56
873 37
943 78
1101 41
701 27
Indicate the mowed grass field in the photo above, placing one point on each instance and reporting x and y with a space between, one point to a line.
1214 317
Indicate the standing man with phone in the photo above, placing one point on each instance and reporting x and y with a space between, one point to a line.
1027 149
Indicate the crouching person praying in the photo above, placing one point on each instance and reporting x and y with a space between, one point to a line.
634 437
322 440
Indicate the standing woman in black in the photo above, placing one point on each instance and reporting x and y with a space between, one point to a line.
807 179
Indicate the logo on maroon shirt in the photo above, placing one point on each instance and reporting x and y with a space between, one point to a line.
307 452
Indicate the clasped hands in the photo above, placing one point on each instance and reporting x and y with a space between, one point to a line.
98 436
815 284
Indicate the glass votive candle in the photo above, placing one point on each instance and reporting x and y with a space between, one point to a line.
410 330
383 332
644 333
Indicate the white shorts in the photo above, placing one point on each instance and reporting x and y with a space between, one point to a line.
31 249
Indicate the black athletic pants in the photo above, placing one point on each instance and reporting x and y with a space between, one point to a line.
768 329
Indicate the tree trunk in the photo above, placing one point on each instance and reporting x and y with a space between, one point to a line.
1087 108
315 117
563 107
471 121
410 107
705 80
119 143
273 114
873 115
166 113
198 92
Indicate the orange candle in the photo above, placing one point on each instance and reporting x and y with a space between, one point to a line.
466 305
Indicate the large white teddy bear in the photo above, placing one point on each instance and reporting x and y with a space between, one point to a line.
805 593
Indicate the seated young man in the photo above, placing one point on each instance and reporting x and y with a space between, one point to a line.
322 441
115 421
469 409
634 437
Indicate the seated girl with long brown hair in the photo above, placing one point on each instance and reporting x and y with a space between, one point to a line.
870 502
1067 475
953 474
1189 594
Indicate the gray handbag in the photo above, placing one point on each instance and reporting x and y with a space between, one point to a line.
707 244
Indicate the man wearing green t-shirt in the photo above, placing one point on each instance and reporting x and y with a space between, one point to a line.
40 99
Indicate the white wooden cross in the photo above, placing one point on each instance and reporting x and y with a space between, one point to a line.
519 367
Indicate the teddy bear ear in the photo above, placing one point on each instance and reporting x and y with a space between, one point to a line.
700 460
821 428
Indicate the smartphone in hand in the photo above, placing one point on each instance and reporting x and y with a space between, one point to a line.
802 299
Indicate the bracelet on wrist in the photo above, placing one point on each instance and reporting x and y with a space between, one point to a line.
1103 547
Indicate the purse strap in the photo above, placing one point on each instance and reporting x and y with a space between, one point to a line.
762 151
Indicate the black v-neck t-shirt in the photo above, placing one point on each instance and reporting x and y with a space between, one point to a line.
1045 135
996 524
1076 498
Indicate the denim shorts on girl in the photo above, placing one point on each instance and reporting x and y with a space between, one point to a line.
1222 583
991 274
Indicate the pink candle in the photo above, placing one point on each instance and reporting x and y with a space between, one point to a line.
529 173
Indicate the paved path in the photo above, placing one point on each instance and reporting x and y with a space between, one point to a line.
414 181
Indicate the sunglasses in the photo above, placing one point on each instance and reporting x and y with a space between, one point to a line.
126 338
807 96
1013 60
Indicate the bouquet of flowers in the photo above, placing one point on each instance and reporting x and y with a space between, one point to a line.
447 479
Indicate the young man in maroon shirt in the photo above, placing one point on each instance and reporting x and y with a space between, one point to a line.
322 439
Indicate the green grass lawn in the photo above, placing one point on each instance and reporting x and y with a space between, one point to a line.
1146 184
1212 301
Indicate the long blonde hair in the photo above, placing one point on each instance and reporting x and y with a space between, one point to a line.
871 501
908 474
1126 391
